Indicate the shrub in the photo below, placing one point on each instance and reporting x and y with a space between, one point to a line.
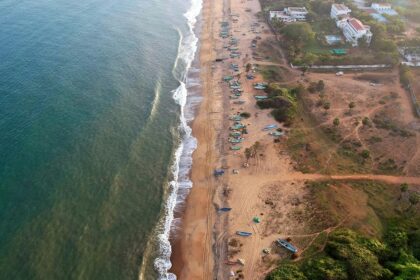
325 268
366 121
286 272
365 154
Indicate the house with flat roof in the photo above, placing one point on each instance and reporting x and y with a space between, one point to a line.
339 10
354 30
298 13
290 14
282 16
384 8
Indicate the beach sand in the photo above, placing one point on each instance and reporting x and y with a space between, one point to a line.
192 249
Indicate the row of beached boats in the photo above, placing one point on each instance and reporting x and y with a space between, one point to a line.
238 129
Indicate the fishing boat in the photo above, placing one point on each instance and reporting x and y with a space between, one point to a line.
243 233
236 141
237 126
260 97
260 87
270 126
225 209
218 172
236 118
283 243
276 133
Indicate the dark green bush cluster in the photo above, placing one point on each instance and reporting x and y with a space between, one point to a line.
282 101
349 255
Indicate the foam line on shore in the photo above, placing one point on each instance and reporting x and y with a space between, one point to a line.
183 154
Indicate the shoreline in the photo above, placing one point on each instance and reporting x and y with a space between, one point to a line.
193 241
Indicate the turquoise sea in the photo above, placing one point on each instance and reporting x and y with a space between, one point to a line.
88 134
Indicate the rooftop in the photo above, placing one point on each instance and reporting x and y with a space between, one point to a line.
357 24
385 5
341 7
297 9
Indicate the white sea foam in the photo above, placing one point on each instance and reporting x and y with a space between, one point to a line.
183 155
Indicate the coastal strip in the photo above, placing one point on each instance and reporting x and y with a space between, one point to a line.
192 249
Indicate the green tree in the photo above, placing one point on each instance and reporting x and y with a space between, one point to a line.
320 86
326 106
286 272
413 198
325 268
300 33
365 154
366 121
352 105
336 122
404 187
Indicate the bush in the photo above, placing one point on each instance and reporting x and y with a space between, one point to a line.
365 154
286 272
366 121
362 264
282 115
325 268
274 103
245 115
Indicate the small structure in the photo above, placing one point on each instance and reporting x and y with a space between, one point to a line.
354 30
338 51
411 55
333 39
384 8
290 14
282 16
339 10
298 13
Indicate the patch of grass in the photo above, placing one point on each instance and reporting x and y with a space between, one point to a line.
374 139
382 121
389 166
272 73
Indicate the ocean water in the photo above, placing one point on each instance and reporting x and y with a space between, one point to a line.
94 136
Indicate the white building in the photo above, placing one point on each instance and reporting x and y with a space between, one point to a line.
354 30
290 14
384 8
298 13
282 16
339 10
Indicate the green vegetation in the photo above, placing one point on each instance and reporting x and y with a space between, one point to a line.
405 76
282 101
383 245
316 87
382 121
